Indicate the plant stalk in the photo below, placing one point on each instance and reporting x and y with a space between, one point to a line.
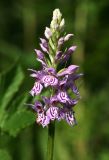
51 135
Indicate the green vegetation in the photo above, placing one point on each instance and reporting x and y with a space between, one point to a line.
22 23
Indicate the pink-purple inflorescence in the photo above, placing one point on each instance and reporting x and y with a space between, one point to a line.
59 104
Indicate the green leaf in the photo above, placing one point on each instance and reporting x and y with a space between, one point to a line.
18 121
10 92
23 100
18 104
4 155
13 88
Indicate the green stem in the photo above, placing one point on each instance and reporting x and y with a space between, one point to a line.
51 135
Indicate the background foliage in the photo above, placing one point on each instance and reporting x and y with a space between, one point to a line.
21 25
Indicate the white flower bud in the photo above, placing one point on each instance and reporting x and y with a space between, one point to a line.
57 14
48 33
67 37
54 25
62 24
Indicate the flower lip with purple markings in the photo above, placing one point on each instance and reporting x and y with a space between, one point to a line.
37 88
49 80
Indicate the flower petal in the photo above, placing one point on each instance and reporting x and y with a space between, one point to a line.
71 49
60 42
52 113
51 71
76 76
44 45
40 55
43 119
46 100
68 53
53 99
48 33
63 97
58 55
36 89
71 69
67 37
63 81
62 24
61 114
43 63
69 117
33 75
75 89
38 107
49 80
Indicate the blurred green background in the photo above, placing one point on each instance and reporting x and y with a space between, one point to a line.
21 24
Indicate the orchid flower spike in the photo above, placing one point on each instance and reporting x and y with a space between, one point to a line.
58 82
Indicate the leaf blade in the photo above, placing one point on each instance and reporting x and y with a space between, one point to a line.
4 155
18 121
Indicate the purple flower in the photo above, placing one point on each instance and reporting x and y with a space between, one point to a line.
69 117
58 105
52 113
67 54
43 119
61 114
37 88
38 107
45 78
63 39
70 70
58 56
49 80
63 97
44 45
